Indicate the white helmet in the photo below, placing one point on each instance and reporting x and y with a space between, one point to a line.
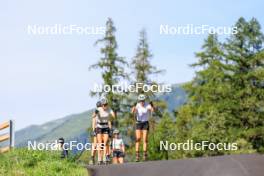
141 97
116 131
104 101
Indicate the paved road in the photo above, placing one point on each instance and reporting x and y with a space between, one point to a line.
231 165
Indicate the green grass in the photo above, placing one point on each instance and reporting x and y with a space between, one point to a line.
23 162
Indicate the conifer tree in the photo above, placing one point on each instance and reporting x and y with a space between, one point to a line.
111 66
205 112
142 68
226 96
245 58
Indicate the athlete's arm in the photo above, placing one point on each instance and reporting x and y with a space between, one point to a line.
94 115
151 107
110 124
133 110
93 121
113 114
114 117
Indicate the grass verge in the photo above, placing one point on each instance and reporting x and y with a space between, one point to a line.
23 162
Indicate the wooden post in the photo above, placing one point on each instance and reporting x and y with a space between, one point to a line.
4 149
4 137
12 134
4 125
8 136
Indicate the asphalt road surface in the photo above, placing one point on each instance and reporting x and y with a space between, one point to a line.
229 165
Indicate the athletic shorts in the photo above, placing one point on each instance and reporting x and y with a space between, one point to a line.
102 130
118 154
142 125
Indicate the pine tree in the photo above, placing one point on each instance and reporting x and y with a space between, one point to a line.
111 66
164 132
141 63
245 58
207 108
142 69
226 96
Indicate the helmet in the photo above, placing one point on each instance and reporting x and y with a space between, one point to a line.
116 131
98 104
61 140
141 97
104 101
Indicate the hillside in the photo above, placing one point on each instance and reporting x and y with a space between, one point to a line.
75 126
69 127
35 131
175 98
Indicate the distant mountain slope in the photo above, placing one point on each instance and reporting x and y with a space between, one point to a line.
175 98
73 127
69 127
35 131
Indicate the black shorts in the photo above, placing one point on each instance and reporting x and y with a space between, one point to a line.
142 125
118 154
103 130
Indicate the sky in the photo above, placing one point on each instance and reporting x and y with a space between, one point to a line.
43 78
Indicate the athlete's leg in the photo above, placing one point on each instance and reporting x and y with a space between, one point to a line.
108 150
115 160
121 160
93 151
138 138
99 143
145 140
94 146
145 143
105 140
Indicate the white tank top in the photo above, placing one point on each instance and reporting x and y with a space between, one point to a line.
143 112
103 117
117 144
